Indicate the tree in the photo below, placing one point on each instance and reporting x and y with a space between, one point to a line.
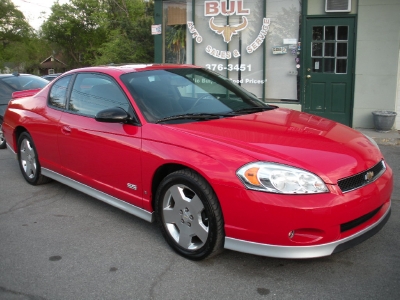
15 33
77 29
176 42
101 31
26 55
13 26
129 28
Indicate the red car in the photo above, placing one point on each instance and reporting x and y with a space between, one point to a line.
10 83
214 165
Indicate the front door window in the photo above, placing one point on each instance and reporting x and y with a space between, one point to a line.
330 49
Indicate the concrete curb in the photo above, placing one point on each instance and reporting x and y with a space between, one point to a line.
382 138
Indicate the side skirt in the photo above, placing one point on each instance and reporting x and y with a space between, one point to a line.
129 208
12 150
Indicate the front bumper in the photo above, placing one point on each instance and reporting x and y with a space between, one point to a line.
308 251
304 226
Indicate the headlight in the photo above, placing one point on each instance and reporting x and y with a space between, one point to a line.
277 178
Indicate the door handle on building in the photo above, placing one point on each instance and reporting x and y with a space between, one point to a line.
308 76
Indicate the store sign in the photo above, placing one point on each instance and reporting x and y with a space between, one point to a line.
227 31
156 29
214 8
235 7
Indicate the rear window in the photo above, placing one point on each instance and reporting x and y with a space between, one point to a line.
25 82
5 92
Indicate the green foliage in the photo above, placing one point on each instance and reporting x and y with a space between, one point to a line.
86 32
129 27
176 42
76 30
13 26
19 47
26 55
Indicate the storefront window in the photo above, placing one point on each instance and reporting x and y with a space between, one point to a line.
175 31
255 43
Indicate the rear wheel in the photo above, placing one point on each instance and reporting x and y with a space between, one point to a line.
28 160
2 140
189 215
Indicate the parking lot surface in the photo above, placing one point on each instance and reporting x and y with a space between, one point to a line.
57 243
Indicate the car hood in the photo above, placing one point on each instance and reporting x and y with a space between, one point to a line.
319 145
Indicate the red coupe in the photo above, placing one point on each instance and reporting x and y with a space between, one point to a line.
215 166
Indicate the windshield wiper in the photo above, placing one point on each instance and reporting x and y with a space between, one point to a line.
195 116
252 109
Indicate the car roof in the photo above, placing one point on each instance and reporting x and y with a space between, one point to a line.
129 68
16 74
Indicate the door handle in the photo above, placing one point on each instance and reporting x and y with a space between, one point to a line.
66 130
308 76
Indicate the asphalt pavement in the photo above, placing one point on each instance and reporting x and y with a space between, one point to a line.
57 243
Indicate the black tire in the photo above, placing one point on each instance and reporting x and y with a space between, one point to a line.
3 144
189 215
28 160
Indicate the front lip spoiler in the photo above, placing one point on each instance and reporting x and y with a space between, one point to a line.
295 252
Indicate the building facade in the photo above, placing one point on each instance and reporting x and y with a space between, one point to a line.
338 59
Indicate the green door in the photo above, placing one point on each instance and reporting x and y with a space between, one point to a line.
329 61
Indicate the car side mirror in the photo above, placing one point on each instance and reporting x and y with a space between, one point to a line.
114 115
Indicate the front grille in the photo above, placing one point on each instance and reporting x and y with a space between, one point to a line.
358 221
363 178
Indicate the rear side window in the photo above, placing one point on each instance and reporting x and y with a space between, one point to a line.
92 93
58 92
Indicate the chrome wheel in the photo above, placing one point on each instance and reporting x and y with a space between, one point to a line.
185 217
189 215
28 158
2 140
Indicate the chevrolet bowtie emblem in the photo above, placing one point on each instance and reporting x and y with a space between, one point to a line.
369 175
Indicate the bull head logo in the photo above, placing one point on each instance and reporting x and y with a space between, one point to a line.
227 31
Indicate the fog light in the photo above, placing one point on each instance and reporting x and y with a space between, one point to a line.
306 235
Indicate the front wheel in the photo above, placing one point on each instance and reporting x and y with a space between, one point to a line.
28 160
2 139
189 215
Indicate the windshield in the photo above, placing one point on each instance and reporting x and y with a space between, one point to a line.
163 94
